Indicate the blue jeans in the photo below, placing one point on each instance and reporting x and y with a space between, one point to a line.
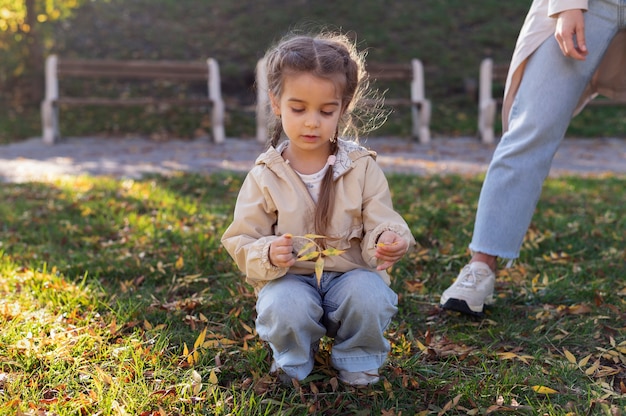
354 308
541 112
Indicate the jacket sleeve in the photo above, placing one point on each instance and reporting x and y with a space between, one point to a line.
557 6
378 213
249 236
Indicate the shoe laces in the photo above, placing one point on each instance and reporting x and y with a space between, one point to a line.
471 276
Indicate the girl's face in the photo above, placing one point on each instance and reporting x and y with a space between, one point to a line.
309 108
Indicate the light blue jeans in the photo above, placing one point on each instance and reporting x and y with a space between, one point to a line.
541 112
354 308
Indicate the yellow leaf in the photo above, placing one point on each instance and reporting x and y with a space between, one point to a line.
179 263
593 368
314 236
147 325
187 355
319 269
570 357
507 355
308 246
395 243
219 343
331 251
200 339
213 377
248 328
309 256
388 388
584 361
512 355
544 390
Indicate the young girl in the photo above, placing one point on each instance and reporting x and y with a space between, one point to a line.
316 183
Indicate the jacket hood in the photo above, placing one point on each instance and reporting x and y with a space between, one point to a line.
347 153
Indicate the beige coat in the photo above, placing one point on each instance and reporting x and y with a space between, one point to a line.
540 24
274 201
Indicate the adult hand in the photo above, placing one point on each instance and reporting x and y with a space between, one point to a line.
389 249
570 34
281 251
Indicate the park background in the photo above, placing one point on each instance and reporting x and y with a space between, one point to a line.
450 37
116 297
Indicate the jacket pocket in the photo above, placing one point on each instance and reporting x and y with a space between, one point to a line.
344 240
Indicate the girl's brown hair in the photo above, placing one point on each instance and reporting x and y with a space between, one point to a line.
330 56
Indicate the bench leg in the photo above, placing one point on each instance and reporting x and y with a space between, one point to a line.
217 122
49 122
486 120
420 114
262 116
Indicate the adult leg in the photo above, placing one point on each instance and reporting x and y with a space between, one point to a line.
289 311
551 86
550 89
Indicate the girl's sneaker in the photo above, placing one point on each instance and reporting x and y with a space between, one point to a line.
359 378
471 291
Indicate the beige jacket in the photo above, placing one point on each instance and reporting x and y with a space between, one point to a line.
540 24
274 201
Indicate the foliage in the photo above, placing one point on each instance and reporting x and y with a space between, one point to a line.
24 30
116 297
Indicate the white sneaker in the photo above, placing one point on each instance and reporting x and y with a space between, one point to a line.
359 378
471 291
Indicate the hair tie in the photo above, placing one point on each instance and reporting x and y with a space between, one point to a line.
331 160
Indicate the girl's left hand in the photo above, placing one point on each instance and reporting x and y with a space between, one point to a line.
389 249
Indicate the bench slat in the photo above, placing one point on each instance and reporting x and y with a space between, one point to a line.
390 72
100 68
130 101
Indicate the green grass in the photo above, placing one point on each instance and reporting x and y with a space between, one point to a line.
117 298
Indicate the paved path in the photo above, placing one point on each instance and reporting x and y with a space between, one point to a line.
31 160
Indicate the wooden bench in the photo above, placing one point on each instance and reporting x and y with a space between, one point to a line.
493 77
379 72
171 71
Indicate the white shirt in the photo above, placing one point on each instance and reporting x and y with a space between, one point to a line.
313 182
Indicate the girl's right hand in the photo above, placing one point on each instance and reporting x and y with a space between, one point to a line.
281 252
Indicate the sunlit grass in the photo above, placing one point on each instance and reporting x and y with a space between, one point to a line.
117 298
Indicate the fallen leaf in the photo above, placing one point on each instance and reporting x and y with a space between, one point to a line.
570 357
544 390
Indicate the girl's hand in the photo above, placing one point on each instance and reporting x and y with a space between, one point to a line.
281 252
389 249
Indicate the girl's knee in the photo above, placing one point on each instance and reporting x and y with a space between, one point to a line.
368 291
